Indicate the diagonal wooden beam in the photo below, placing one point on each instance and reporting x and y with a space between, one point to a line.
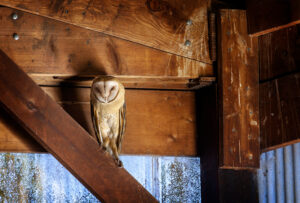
60 135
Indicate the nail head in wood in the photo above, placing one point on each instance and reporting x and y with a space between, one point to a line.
187 43
14 16
16 36
189 22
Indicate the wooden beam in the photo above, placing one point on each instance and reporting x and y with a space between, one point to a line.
54 52
158 122
265 16
280 112
279 53
60 135
164 25
132 82
238 92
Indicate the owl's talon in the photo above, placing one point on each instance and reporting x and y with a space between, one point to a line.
120 163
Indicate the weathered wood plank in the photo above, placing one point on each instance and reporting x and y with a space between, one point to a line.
280 112
54 52
60 135
158 122
163 25
265 16
238 92
279 53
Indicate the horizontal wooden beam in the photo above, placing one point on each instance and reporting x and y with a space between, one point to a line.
54 52
132 82
238 92
266 16
63 137
158 122
178 27
280 112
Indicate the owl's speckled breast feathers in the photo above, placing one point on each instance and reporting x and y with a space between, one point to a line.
108 113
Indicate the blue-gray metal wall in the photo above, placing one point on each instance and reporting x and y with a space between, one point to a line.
41 178
279 175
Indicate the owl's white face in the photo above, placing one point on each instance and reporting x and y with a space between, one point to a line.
106 91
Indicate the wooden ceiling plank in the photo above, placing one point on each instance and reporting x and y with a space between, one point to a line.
178 27
238 85
63 137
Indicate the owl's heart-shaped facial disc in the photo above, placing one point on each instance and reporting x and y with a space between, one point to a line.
106 91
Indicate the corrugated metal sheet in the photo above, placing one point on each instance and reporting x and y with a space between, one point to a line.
279 175
41 178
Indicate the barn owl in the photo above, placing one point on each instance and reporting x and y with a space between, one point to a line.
108 114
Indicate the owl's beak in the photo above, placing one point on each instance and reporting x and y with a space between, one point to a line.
105 99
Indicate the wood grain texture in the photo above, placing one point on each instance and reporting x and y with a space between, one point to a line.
52 47
238 92
60 135
158 122
161 24
266 16
280 112
279 53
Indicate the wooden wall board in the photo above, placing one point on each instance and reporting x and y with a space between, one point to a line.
279 53
160 24
280 112
266 16
238 84
65 139
158 122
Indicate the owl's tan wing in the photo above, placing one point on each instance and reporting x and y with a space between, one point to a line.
96 123
122 120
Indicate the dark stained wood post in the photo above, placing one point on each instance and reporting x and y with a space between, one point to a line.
66 140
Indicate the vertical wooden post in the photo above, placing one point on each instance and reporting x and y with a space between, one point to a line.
238 97
238 92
